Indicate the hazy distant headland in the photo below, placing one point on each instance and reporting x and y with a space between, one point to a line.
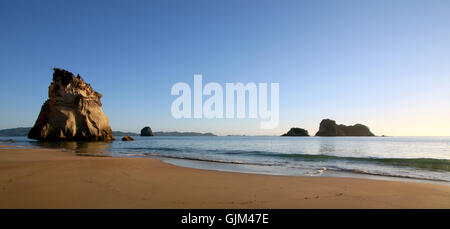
16 132
163 133
176 133
23 132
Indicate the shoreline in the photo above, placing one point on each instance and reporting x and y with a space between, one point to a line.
182 162
51 178
341 174
432 170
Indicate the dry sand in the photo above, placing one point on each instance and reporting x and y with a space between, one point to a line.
44 178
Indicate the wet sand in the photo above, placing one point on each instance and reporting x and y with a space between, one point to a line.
47 178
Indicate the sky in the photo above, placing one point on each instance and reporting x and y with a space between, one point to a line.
385 64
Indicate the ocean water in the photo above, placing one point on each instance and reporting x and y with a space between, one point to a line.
404 158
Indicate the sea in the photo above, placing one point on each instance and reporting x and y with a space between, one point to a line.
423 159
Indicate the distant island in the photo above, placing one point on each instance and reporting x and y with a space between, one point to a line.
329 128
23 132
296 132
147 131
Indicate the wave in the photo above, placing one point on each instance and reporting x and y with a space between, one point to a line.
384 174
421 163
209 160
315 172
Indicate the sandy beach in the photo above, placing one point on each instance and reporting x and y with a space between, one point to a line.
47 178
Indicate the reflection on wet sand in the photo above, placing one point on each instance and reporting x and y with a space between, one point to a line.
99 149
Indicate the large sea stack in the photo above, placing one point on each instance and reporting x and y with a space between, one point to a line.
329 128
73 112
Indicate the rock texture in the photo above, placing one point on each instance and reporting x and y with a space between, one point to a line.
72 112
298 132
329 128
146 131
127 138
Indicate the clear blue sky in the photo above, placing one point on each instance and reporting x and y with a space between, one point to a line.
382 63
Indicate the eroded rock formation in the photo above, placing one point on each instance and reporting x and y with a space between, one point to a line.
329 128
73 112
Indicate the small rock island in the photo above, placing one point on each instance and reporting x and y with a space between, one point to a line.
146 131
296 132
329 128
72 112
127 138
